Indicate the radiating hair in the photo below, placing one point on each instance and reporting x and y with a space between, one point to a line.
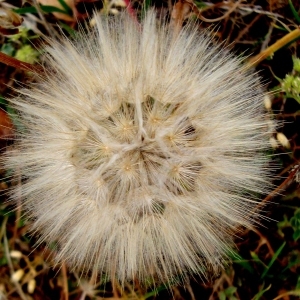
140 151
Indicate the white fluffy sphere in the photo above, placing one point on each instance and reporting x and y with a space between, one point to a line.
140 151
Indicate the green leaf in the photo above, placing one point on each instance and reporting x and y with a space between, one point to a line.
201 4
3 261
296 235
20 223
230 290
298 283
260 293
25 10
146 7
69 29
3 101
15 118
245 264
8 49
147 4
66 7
44 8
27 54
6 212
293 262
276 254
155 291
222 295
295 13
257 259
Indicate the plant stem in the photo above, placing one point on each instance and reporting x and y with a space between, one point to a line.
255 60
13 62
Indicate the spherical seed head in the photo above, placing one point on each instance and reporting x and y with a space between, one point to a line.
140 150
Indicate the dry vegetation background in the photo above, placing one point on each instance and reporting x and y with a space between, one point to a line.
266 263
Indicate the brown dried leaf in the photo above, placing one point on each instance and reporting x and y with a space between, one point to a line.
9 20
179 13
6 126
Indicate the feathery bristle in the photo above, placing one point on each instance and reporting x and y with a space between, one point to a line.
140 150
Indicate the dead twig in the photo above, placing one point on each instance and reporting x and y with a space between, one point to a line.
288 181
288 38
65 281
13 62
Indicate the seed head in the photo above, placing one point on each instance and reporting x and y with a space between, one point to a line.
140 151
